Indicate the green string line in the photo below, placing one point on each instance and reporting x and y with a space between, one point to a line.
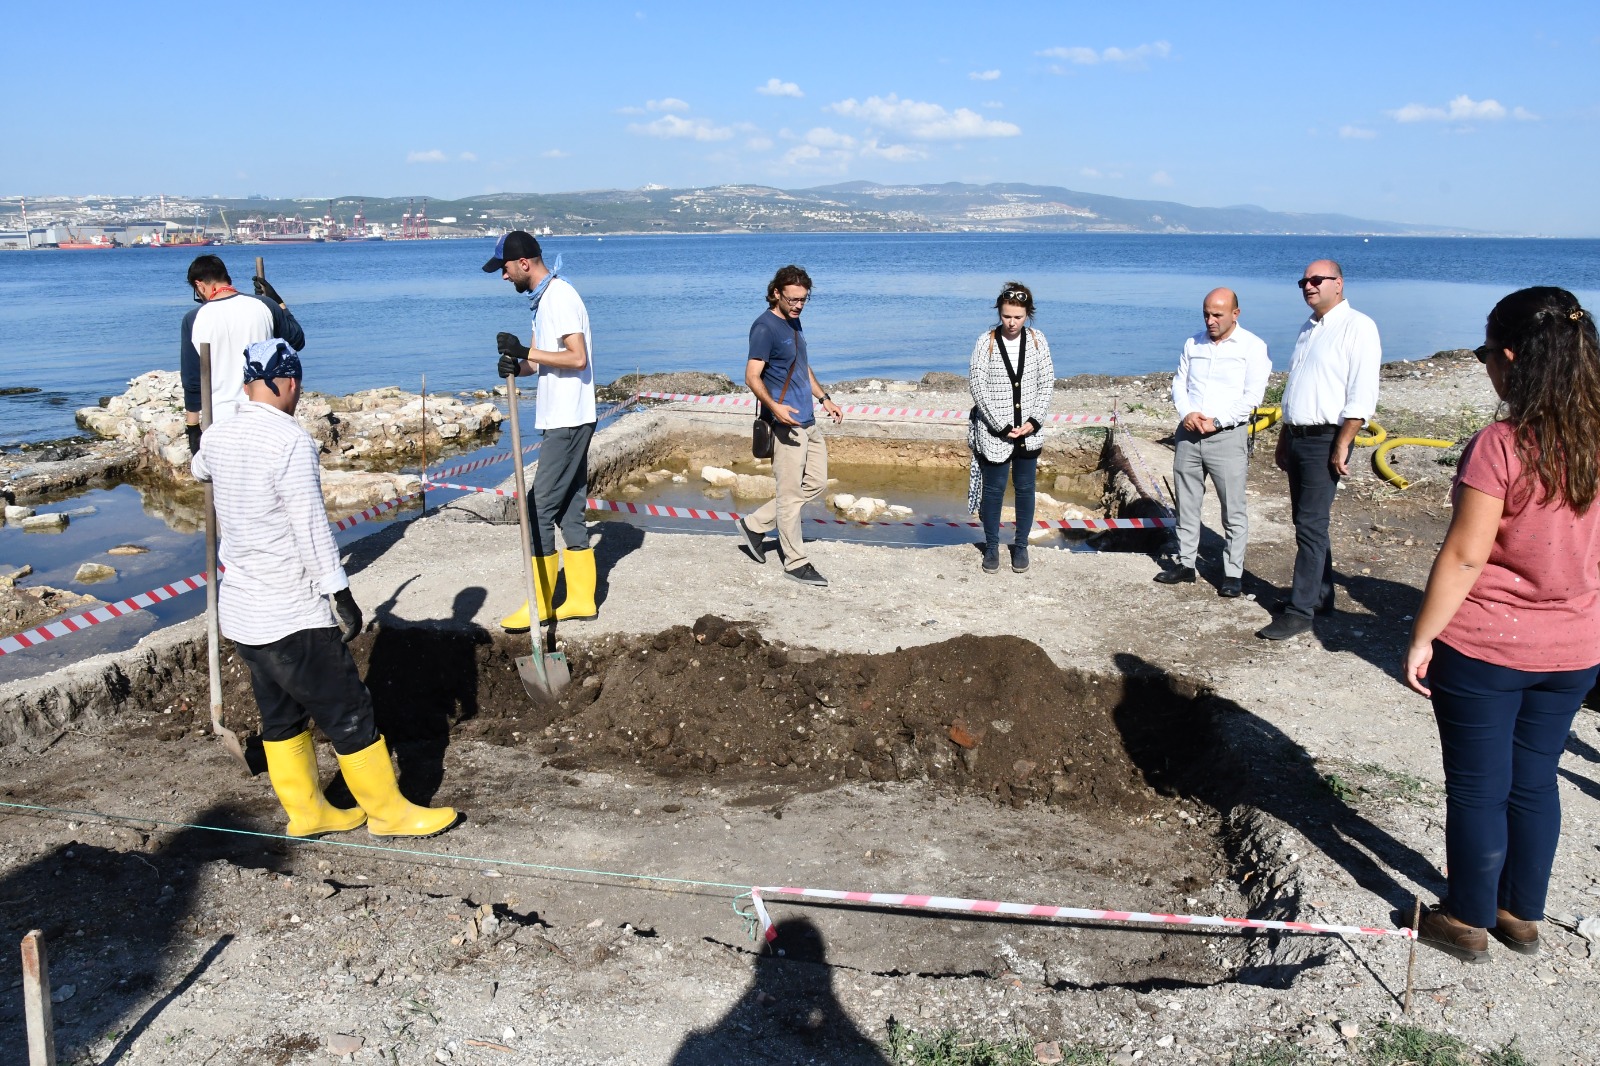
744 890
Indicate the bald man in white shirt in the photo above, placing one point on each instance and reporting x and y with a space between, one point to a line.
1222 375
1331 392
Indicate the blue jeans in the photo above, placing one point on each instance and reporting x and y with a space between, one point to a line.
1023 467
1502 732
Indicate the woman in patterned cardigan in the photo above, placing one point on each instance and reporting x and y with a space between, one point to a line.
1012 379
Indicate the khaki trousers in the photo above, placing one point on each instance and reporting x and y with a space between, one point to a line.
800 466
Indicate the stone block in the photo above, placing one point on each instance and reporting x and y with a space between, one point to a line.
718 477
45 523
755 486
89 573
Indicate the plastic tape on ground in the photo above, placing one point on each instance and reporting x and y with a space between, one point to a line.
866 410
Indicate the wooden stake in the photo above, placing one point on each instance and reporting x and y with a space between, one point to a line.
213 630
261 267
1411 962
36 1000
424 443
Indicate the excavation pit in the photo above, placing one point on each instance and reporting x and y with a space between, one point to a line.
995 773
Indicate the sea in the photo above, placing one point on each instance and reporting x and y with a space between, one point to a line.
77 325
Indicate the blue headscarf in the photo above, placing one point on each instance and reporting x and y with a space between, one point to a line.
538 294
266 360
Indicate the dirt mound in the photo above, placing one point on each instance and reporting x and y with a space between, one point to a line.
695 382
989 713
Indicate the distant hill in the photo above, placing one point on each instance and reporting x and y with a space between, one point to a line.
861 206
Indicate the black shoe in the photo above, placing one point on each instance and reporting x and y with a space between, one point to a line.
807 574
1019 558
1231 588
991 558
1284 626
1184 574
754 545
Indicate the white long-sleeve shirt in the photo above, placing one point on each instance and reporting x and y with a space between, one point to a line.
280 558
1333 374
1222 379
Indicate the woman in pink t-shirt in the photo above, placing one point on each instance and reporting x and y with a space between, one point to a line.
1508 638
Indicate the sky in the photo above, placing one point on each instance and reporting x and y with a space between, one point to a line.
1463 114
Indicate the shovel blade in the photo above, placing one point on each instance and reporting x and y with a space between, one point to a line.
557 676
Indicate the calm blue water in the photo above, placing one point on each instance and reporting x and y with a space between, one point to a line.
79 324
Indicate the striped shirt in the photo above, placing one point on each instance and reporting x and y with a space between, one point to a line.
279 555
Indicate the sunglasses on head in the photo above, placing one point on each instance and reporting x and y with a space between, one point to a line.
1315 280
1014 296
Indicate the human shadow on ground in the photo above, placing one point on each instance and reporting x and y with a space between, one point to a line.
1189 742
1588 786
120 925
424 679
788 1014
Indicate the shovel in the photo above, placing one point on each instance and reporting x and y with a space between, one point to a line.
248 751
544 676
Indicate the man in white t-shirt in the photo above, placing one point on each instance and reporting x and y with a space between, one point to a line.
562 357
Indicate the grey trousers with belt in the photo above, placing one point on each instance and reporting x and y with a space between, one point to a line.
560 487
1224 456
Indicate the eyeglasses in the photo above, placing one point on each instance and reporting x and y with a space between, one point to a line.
1484 351
794 299
1315 280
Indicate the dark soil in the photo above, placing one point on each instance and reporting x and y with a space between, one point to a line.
987 714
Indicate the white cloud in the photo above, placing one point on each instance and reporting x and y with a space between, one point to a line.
758 144
432 155
1463 108
671 103
555 153
774 87
922 121
468 157
671 127
630 110
1078 55
893 153
823 137
1161 178
984 75
1356 133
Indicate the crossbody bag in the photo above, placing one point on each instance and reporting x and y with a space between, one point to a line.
761 429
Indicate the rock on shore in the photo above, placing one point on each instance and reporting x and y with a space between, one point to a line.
373 425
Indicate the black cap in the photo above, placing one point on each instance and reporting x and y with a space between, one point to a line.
518 244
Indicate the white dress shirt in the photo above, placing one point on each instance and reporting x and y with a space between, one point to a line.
279 555
1222 379
1333 374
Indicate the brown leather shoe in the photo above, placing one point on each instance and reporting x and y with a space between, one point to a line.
1466 942
1518 935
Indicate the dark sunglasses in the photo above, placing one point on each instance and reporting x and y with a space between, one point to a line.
1484 351
1315 280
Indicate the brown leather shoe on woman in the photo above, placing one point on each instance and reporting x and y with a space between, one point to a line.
1466 942
1518 935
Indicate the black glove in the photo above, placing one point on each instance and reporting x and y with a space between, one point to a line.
347 614
193 433
512 353
264 288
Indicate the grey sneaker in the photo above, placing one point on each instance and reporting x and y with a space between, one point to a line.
754 545
991 558
808 575
1019 558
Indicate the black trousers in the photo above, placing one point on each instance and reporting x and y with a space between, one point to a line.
1312 484
310 675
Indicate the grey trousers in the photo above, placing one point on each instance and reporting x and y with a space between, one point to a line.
560 487
800 466
1224 456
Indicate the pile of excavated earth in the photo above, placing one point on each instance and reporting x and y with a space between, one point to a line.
1075 736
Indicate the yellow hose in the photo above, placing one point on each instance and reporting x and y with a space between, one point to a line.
1266 417
1380 458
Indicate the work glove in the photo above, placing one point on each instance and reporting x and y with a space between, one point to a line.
512 353
264 288
347 614
193 434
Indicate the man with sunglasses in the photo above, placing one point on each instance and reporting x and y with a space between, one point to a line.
1332 390
778 371
230 322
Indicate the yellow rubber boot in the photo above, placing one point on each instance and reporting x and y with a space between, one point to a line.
370 775
544 587
579 603
292 766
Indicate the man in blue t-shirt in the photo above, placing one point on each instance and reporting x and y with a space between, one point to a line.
779 373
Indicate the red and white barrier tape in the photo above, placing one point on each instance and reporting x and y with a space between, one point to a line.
62 627
869 410
471 488
1029 910
477 464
